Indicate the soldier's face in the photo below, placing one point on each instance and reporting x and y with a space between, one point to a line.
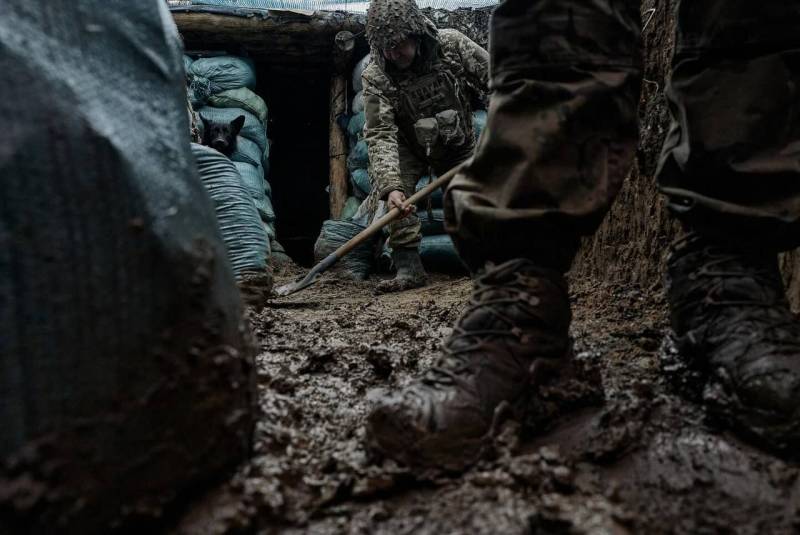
402 55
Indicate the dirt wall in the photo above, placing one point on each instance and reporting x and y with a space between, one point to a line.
632 243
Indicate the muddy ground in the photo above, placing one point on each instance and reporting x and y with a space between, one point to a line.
630 456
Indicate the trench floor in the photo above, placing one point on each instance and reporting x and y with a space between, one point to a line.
633 455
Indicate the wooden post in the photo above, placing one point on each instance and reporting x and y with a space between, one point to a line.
337 148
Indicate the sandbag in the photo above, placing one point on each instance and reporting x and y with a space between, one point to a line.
253 180
253 129
242 231
359 156
211 76
350 208
242 98
357 71
187 63
333 235
355 128
439 254
248 152
437 197
479 122
359 179
358 102
125 371
433 222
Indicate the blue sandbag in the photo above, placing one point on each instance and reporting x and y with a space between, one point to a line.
355 127
253 129
253 179
439 254
361 183
437 197
242 231
187 63
358 85
210 76
247 152
431 226
359 156
358 102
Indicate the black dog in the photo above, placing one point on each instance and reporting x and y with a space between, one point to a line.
222 136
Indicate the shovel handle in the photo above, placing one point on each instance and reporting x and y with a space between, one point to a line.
393 214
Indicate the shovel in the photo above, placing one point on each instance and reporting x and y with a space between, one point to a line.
362 236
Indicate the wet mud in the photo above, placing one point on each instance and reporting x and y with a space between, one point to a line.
627 452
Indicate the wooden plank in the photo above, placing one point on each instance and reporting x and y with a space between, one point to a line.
337 149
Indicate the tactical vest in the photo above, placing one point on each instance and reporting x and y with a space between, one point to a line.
428 96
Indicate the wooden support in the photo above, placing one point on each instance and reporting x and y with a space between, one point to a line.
337 146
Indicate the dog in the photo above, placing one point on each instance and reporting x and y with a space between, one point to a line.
222 136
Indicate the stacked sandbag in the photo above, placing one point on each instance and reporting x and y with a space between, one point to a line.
238 217
221 88
333 235
358 157
126 375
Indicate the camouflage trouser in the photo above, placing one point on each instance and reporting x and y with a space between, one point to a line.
406 232
562 126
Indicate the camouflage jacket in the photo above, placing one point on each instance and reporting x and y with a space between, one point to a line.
390 116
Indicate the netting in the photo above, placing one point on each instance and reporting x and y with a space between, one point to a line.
352 6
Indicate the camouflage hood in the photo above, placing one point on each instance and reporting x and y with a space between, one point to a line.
390 21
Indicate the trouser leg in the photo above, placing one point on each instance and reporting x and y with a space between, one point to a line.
561 131
731 162
405 233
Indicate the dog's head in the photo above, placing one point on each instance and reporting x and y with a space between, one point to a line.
222 136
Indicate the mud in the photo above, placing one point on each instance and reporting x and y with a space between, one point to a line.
630 456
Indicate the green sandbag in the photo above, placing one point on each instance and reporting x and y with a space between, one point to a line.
360 181
211 76
350 208
253 179
247 152
127 383
239 221
355 127
253 129
333 235
437 197
359 156
439 254
431 226
242 98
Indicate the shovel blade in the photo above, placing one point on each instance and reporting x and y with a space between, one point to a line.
296 286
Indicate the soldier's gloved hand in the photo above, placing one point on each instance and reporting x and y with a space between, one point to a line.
396 200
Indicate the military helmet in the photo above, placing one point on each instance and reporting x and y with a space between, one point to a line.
389 22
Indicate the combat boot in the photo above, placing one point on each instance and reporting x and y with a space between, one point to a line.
512 335
733 323
410 272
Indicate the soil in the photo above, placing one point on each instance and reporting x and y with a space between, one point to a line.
630 454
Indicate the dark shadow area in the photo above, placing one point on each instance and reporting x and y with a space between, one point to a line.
298 133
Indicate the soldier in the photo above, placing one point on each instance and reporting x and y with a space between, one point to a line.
561 132
418 95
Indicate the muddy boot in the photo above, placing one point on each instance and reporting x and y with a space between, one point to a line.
732 321
513 334
410 273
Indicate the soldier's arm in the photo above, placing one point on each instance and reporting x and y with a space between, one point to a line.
475 60
380 133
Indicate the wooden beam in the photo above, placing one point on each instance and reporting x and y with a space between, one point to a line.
337 148
259 28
